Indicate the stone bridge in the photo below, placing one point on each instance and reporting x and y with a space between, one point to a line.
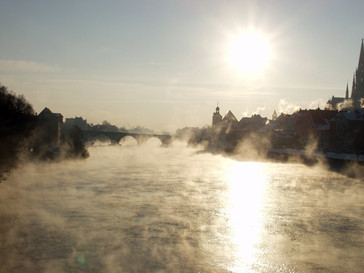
115 137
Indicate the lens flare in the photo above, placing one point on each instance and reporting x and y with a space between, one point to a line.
81 260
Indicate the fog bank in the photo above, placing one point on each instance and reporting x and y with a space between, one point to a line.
130 208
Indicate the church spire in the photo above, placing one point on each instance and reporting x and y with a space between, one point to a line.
347 91
216 117
353 88
361 59
359 78
217 108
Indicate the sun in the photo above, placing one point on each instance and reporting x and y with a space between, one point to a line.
248 52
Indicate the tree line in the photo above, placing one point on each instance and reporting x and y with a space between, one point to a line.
20 138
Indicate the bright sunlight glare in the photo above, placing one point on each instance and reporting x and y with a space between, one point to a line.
249 52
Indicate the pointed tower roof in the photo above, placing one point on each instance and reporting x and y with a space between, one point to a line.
353 87
358 92
47 114
361 59
347 91
230 117
46 111
274 115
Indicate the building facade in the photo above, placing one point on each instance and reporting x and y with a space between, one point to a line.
49 127
77 121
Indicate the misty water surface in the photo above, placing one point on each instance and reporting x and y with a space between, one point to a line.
150 209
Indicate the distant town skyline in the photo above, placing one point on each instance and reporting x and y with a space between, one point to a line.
165 64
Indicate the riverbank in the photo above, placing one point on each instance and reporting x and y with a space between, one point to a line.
328 155
351 165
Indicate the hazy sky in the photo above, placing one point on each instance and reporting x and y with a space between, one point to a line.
164 65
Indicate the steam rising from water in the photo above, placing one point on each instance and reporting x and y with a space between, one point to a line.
144 208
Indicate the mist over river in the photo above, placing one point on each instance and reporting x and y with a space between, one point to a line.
146 208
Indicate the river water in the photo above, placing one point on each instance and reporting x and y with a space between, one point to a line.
151 209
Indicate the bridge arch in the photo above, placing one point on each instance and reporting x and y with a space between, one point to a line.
128 141
154 141
115 137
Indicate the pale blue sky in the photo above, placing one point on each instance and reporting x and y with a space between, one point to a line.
162 65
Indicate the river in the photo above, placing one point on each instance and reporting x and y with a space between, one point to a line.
152 209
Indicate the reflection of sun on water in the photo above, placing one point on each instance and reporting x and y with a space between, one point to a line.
247 184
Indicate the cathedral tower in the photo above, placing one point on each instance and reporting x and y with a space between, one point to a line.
357 91
358 81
